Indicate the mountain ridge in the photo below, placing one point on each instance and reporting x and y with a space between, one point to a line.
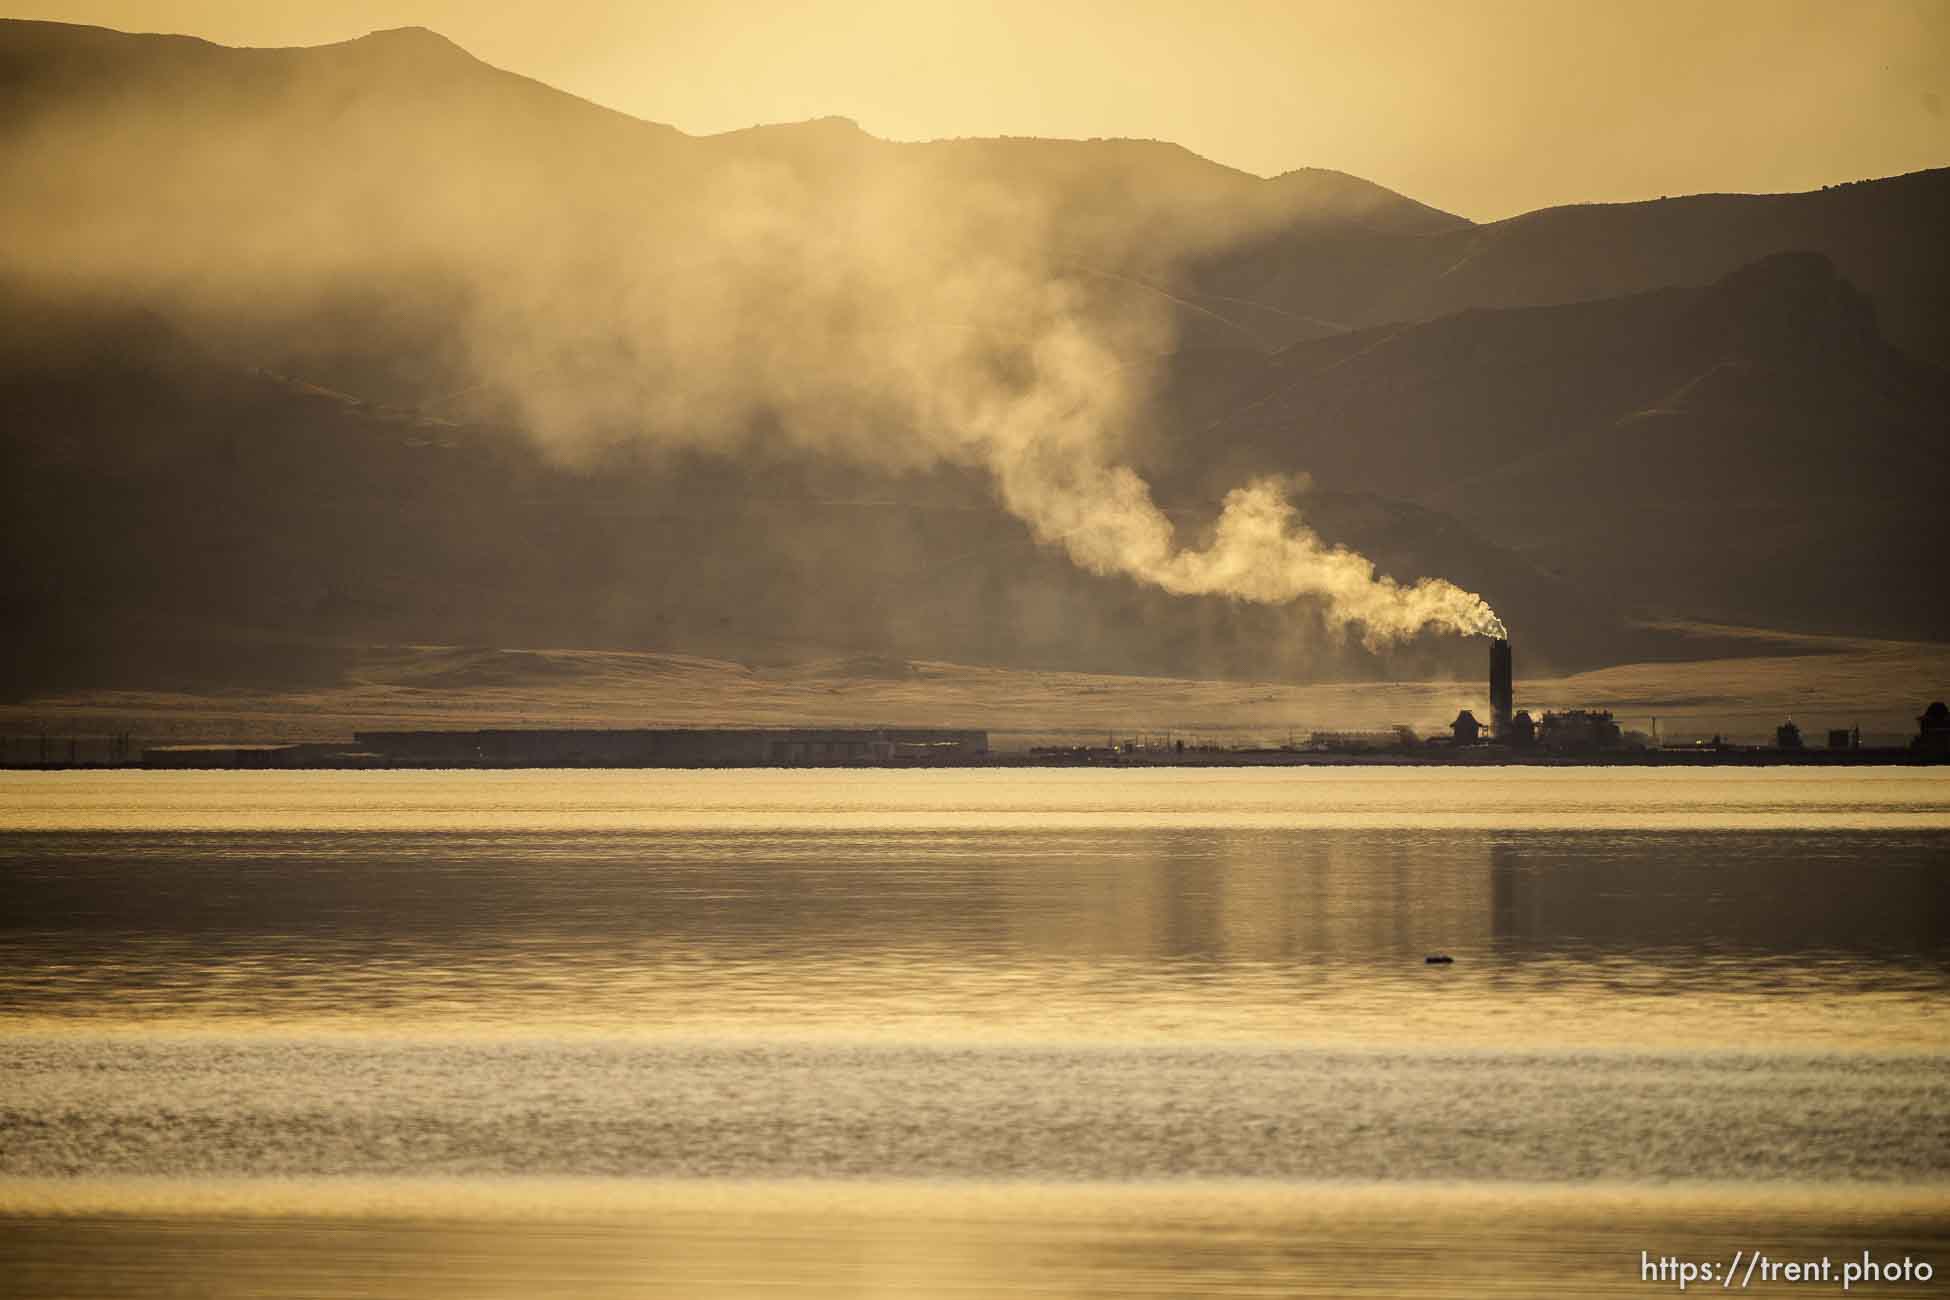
1307 323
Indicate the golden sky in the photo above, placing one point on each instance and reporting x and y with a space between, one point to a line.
1485 107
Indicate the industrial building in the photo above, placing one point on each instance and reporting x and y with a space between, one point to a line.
1932 732
1579 731
256 757
1502 689
1511 735
1573 731
674 747
1396 738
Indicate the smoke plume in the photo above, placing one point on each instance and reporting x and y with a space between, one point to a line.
910 328
595 282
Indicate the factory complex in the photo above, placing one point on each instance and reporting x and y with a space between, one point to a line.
603 747
1509 736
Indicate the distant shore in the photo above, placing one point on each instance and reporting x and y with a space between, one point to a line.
220 761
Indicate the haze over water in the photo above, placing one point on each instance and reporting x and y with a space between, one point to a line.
1060 1032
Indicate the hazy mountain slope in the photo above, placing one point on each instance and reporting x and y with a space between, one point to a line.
1797 478
446 146
1754 449
314 210
1334 197
1884 235
1412 408
372 342
171 165
168 517
443 141
44 65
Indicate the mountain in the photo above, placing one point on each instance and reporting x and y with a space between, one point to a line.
408 151
1751 450
305 350
1883 235
399 155
167 517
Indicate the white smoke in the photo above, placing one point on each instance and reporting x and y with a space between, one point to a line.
1046 450
1261 551
903 344
888 305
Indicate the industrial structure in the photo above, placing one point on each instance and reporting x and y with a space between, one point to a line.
1577 735
1571 731
1502 689
1396 739
598 747
1579 731
673 747
1932 732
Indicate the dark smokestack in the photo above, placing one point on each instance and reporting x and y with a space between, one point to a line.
1502 695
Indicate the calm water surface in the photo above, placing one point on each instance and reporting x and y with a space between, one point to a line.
1060 1032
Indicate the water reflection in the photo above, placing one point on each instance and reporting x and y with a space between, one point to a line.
518 1240
1882 897
1213 933
447 1034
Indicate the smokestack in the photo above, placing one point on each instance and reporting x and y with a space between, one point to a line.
1502 695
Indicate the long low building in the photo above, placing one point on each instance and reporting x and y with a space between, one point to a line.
675 747
253 757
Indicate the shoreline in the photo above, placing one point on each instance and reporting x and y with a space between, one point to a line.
222 760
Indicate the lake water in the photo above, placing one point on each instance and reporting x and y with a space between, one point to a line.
968 1033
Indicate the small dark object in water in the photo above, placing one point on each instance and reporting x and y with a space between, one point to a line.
1439 959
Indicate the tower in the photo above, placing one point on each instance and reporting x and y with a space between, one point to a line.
1502 694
